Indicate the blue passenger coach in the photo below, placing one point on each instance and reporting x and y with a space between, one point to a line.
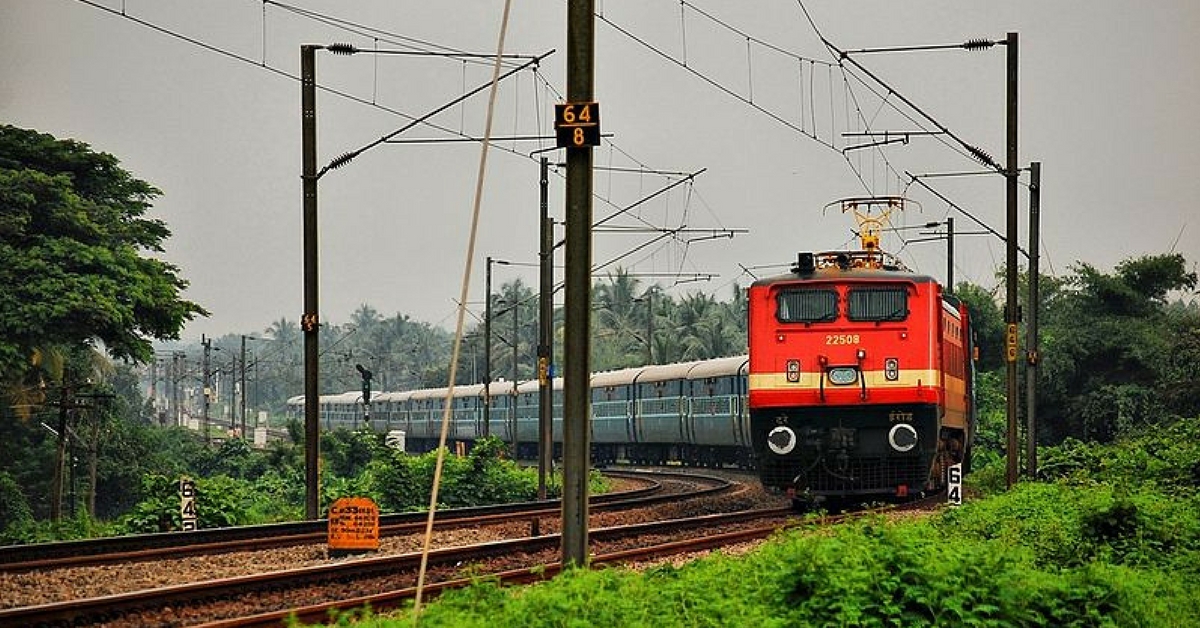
692 413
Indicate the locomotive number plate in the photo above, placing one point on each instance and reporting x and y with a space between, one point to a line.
841 339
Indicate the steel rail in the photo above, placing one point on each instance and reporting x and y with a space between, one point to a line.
146 547
127 605
392 600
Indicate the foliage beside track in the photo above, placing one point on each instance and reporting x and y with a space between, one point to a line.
1110 538
358 465
236 485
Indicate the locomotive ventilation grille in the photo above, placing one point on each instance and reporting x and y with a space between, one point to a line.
860 475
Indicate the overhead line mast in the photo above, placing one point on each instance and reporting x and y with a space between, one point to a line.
581 46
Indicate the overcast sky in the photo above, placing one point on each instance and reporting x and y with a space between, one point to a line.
1108 102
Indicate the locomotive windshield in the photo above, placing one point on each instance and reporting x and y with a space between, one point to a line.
806 306
888 303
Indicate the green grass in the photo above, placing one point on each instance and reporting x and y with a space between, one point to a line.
873 573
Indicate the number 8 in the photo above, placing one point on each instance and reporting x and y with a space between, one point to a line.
577 136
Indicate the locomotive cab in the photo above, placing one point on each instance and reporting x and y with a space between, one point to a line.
848 390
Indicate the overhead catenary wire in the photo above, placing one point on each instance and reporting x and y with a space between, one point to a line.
347 157
713 82
279 72
973 152
978 153
376 35
964 212
366 32
806 123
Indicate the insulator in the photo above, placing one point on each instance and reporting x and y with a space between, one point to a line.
983 157
342 160
978 44
341 49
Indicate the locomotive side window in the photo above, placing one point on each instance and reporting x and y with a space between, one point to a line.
806 306
878 303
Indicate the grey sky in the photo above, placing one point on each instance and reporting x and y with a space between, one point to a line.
1108 94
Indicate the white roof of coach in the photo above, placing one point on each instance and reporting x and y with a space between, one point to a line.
718 367
619 377
533 385
393 396
428 393
665 372
468 390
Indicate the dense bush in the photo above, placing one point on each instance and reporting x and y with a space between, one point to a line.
1072 526
396 481
1114 541
868 574
221 501
484 476
14 507
79 526
1165 456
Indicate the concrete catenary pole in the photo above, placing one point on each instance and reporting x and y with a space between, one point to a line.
310 321
206 384
545 334
487 350
516 363
1031 329
242 387
950 254
577 343
1011 309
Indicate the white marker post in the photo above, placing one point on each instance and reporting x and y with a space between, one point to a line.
187 503
954 485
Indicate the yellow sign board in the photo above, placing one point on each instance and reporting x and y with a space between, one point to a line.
354 524
1011 342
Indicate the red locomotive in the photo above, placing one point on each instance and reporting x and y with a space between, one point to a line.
861 373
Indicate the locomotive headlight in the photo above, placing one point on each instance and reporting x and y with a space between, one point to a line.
781 440
891 369
902 437
843 375
793 371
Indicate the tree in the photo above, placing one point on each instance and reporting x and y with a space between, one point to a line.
1115 355
73 265
988 322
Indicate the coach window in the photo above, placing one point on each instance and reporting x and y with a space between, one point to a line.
806 306
878 303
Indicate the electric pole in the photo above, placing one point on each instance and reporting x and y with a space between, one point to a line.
950 254
207 384
487 350
1012 308
310 320
581 48
1031 330
545 336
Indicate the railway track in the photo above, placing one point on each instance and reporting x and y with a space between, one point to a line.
328 584
147 547
310 593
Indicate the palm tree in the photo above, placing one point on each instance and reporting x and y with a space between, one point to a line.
365 318
615 323
27 389
284 350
